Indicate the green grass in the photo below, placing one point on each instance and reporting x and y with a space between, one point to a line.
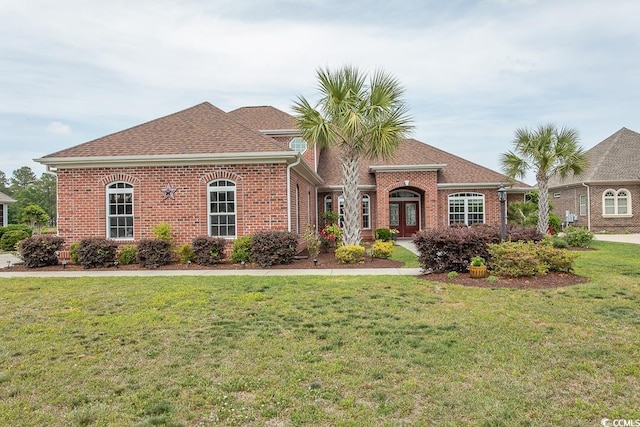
409 259
343 351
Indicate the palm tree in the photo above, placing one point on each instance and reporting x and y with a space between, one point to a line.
361 119
549 152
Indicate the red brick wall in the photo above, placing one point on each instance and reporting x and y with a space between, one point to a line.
424 183
261 198
615 225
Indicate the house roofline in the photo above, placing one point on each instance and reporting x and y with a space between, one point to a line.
406 168
169 159
280 132
470 185
606 182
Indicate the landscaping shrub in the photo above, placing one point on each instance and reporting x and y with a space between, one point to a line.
162 231
153 253
383 234
556 259
525 234
40 251
555 222
74 256
241 250
350 254
450 249
185 254
273 247
381 249
312 241
127 255
12 227
10 238
96 252
516 259
208 250
559 242
578 237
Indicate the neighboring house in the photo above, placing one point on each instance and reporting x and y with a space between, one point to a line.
4 208
207 172
606 196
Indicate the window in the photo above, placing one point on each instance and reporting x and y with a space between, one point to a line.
466 208
120 211
298 144
222 208
556 195
616 203
366 212
583 204
328 203
341 211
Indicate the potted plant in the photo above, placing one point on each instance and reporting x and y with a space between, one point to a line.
394 234
478 268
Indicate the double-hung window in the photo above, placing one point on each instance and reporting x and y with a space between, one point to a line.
222 208
120 211
366 212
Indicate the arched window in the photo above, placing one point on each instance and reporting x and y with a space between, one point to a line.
120 211
222 208
616 203
366 212
328 203
466 208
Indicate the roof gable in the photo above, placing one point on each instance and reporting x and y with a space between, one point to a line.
4 198
202 129
411 152
264 118
617 158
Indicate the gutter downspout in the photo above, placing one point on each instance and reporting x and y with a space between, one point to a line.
289 167
588 206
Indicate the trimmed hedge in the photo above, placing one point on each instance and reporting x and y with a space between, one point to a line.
273 247
13 227
208 250
518 259
127 254
153 253
40 251
381 249
10 239
241 250
578 237
350 254
383 234
450 249
96 252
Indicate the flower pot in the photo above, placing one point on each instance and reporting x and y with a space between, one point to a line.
478 272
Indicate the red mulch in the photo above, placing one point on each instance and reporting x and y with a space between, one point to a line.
328 261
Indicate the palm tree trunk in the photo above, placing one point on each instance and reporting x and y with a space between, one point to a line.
351 229
543 203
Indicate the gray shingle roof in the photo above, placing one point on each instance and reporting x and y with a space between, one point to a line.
4 198
412 152
202 129
617 158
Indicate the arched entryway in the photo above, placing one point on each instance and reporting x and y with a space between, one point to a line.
404 211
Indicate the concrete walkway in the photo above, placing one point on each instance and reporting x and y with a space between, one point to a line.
619 238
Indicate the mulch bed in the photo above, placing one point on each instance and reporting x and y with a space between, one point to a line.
328 261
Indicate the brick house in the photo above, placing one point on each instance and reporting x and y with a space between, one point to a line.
208 172
606 195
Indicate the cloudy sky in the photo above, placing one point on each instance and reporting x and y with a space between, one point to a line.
474 71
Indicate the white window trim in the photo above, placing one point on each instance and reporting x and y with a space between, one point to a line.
582 205
295 140
327 199
341 211
616 198
466 197
366 212
126 190
235 205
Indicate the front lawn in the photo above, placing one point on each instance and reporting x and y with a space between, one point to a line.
344 351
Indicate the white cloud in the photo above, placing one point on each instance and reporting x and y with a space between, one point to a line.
58 128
